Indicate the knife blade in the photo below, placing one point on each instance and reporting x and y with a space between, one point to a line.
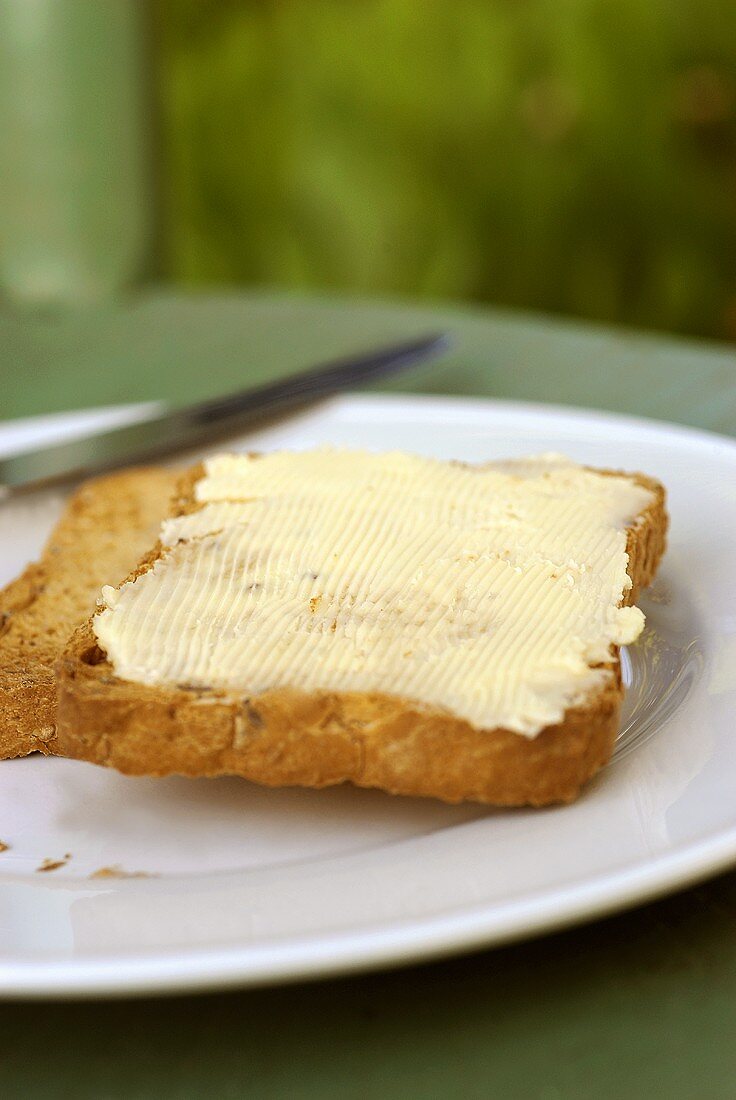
206 421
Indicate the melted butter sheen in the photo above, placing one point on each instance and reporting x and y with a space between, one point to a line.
487 591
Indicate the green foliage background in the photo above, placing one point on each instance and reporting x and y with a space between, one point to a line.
568 155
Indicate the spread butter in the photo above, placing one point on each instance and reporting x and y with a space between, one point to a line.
486 591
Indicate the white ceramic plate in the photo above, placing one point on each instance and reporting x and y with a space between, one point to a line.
245 885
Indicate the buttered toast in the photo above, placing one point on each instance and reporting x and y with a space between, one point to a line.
108 523
424 627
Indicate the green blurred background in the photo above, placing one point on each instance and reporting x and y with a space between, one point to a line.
567 155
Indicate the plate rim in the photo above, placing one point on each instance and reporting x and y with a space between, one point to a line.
661 427
315 957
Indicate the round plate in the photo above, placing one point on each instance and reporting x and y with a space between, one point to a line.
190 884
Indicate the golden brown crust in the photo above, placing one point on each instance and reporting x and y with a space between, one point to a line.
647 539
285 737
106 525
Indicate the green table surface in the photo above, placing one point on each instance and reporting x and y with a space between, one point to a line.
639 1004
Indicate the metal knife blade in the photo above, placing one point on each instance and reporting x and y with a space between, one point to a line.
207 420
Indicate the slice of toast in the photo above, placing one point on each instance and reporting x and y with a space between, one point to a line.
284 736
106 526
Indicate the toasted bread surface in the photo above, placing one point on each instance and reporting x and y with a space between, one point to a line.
285 737
106 526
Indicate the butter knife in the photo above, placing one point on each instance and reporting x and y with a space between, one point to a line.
207 420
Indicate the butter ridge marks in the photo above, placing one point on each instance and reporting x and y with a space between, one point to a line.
490 592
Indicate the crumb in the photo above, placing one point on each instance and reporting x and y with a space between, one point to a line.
54 864
3 846
314 603
115 871
659 593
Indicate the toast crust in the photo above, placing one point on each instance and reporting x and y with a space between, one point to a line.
285 737
107 524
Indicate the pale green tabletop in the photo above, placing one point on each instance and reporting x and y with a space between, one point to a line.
638 1005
